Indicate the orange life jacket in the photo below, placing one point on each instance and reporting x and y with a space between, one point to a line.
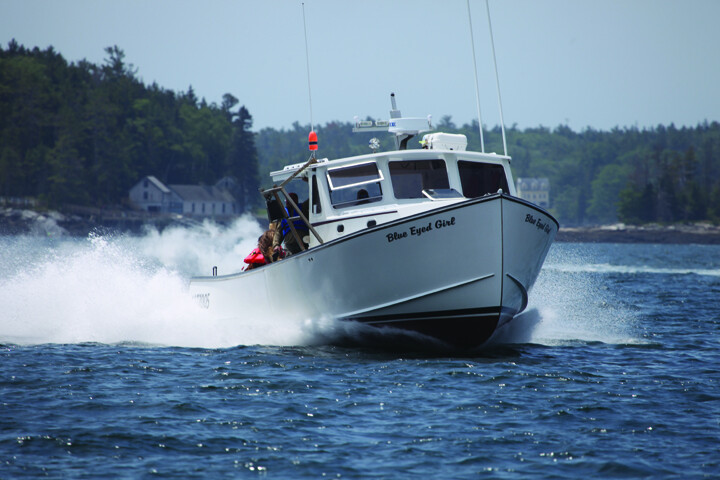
256 257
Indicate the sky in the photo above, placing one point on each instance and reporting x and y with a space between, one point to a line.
582 63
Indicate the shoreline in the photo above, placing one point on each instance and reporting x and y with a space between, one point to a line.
699 233
14 221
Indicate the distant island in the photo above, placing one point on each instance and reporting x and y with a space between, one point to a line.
80 135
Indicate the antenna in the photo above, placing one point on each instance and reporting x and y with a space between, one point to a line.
307 63
497 78
477 88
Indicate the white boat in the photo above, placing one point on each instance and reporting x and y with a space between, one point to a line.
431 241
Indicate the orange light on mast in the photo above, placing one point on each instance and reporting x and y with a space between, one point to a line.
312 141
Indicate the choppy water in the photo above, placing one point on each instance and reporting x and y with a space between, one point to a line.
614 372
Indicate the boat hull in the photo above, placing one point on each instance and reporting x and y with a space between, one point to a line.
455 274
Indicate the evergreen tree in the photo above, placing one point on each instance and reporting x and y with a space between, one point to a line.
242 160
606 188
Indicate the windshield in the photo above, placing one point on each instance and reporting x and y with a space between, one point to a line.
479 179
410 178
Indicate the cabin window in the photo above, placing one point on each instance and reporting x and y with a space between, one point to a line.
409 179
480 179
355 185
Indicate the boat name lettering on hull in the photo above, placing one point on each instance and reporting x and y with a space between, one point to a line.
418 230
203 299
538 222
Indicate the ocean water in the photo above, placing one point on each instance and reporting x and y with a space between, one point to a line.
613 372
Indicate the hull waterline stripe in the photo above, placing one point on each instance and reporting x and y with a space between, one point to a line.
415 297
436 315
415 319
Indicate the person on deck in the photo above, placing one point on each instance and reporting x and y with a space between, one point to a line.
285 234
263 253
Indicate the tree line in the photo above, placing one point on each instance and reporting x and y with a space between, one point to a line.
79 133
84 134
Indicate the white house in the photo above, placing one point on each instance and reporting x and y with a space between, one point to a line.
535 190
151 195
205 201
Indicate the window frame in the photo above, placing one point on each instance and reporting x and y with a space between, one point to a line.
332 189
380 178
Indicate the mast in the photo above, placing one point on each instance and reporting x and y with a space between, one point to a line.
497 78
307 63
477 88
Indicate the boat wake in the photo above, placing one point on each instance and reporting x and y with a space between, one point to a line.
93 291
570 306
125 289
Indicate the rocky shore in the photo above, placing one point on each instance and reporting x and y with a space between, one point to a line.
700 233
14 221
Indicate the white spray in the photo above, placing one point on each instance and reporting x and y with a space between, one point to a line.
134 289
131 289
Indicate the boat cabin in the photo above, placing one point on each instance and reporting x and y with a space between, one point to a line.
350 194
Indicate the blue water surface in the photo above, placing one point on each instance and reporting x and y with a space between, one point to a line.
619 377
